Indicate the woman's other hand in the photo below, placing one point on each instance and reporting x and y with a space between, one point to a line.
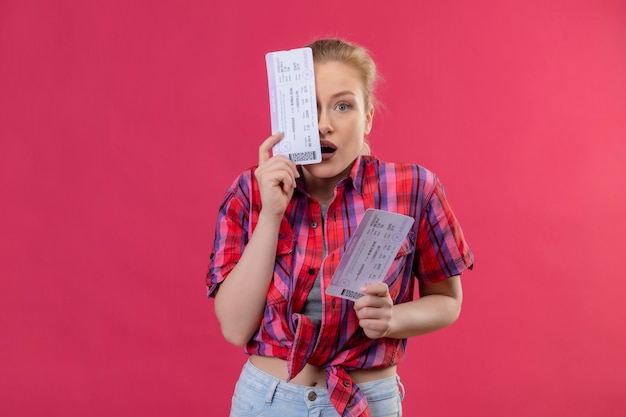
375 310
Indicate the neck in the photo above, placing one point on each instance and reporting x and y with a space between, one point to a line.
322 189
322 192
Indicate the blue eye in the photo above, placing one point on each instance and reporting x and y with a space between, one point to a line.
343 107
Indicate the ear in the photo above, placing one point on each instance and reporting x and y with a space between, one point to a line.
369 117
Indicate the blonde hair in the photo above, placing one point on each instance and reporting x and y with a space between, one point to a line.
351 54
358 57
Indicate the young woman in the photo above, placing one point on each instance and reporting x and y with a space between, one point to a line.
281 232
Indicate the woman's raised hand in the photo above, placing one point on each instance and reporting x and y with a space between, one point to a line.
276 176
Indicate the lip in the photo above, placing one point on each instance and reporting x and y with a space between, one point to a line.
327 156
327 144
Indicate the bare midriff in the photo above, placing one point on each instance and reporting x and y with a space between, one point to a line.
314 376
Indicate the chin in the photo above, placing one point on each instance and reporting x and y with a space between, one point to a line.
326 170
317 170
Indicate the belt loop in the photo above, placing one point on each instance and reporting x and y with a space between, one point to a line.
270 392
401 390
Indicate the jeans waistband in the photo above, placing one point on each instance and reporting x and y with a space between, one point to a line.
274 387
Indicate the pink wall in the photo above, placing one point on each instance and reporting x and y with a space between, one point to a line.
122 123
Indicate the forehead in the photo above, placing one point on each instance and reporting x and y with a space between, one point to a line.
334 76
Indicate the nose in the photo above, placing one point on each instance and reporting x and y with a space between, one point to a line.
323 122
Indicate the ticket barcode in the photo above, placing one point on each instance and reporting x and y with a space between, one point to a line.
302 156
351 294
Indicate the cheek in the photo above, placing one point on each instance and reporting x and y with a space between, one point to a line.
356 145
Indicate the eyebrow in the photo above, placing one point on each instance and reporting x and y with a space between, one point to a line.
343 93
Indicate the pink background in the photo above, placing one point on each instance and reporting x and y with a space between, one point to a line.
123 122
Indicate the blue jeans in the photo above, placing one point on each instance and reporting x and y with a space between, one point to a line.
260 394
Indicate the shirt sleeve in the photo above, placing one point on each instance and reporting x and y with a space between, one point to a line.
231 233
442 251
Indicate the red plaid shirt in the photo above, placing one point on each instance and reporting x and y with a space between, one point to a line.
434 250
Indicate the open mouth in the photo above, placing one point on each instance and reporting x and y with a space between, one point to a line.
327 147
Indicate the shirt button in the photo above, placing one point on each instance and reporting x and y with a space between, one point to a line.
312 396
346 383
311 271
314 225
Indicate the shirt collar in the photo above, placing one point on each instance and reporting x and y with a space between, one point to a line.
357 173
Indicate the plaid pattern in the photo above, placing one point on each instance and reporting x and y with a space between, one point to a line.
434 250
